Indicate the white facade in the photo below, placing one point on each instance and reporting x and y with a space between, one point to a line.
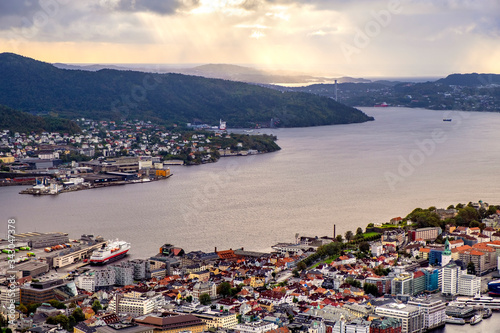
412 317
91 281
469 285
255 327
449 285
433 310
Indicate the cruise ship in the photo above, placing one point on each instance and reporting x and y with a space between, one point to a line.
113 251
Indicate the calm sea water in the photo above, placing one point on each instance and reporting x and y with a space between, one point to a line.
348 175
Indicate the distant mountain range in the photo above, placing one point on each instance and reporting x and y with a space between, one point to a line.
223 71
41 88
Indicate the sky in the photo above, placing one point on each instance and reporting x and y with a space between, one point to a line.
363 38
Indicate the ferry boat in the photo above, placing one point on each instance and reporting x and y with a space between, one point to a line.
480 301
476 319
453 320
381 105
487 313
113 251
447 119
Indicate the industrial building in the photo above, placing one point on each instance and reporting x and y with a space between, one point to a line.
74 254
38 240
32 269
42 292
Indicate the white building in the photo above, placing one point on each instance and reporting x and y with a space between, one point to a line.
433 310
255 327
412 317
136 304
376 249
450 274
93 280
469 285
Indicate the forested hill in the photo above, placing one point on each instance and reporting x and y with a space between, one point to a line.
17 121
38 87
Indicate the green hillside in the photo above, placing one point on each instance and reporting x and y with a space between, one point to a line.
38 87
17 121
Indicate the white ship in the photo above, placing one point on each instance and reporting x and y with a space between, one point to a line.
222 125
113 251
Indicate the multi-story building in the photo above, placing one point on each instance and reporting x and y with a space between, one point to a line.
433 310
96 280
172 324
136 304
451 273
383 284
402 284
204 288
418 282
124 273
385 325
218 319
429 233
412 317
431 279
469 285
255 327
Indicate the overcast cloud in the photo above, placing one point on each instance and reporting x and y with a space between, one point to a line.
362 37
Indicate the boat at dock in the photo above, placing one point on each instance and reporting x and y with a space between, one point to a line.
453 320
476 319
487 313
113 251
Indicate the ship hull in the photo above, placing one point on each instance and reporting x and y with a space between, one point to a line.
110 259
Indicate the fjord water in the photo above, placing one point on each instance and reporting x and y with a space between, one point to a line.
348 175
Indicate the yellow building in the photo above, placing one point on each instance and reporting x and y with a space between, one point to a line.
201 276
257 281
218 320
7 159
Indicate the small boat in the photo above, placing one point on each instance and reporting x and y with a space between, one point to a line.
381 105
476 319
447 119
487 313
453 320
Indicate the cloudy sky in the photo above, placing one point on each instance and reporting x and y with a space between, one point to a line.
346 37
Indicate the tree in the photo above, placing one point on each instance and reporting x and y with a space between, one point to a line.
96 306
57 304
348 235
31 308
59 319
359 231
301 266
78 315
8 330
22 308
364 246
189 299
370 288
339 238
224 289
471 268
205 299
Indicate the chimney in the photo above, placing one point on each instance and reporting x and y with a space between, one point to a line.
334 235
215 249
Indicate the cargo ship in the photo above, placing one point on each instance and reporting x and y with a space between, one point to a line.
108 253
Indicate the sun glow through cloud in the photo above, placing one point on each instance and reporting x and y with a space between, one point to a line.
458 36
